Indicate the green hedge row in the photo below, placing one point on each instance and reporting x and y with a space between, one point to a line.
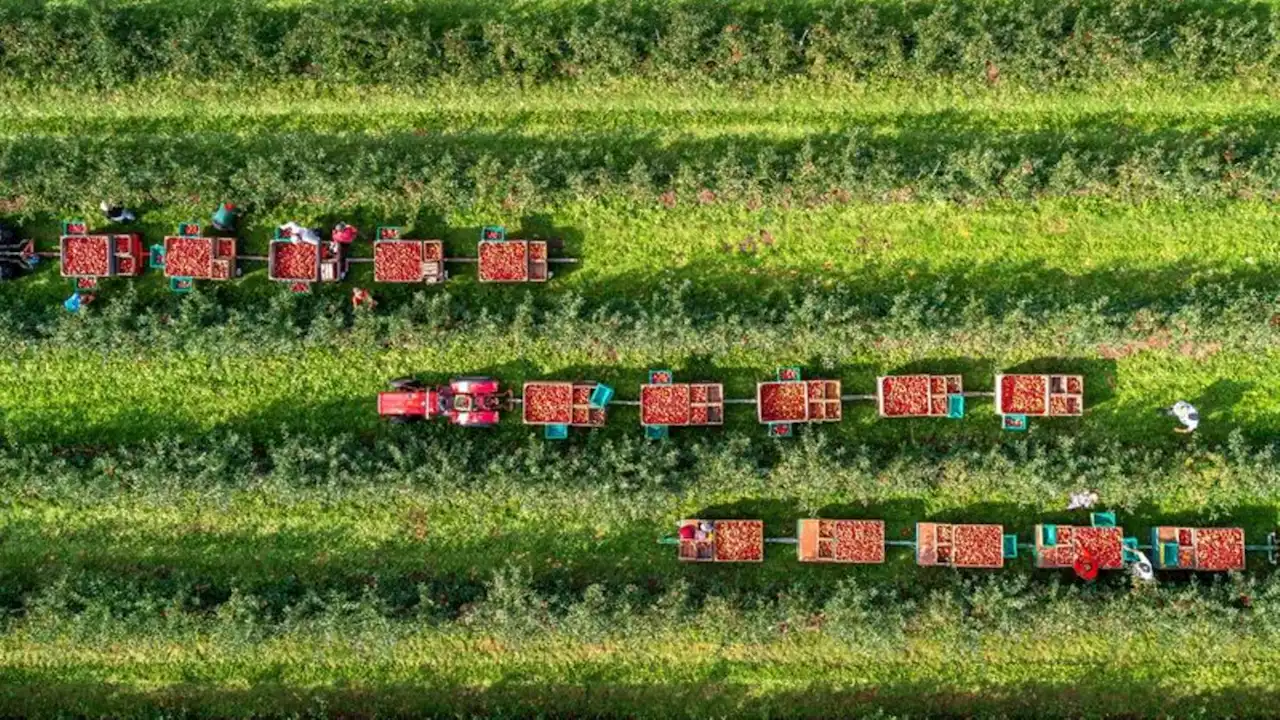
927 157
104 43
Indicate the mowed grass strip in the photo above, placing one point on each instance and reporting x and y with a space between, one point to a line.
670 111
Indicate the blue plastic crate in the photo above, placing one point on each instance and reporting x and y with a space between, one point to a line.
657 432
556 432
600 396
72 304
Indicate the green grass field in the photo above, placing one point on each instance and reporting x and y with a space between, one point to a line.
201 513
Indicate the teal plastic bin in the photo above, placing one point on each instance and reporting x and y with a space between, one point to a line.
1010 546
556 432
1129 549
657 432
1049 535
600 396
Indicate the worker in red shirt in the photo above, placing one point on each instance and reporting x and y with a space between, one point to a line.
344 233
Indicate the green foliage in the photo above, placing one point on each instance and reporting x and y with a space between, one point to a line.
106 44
203 515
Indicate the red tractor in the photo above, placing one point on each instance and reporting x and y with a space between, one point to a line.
466 401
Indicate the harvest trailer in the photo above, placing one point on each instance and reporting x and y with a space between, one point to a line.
790 399
665 404
88 258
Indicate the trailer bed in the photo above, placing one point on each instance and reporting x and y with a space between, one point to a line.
840 541
560 403
730 541
1191 548
513 261
681 404
408 261
797 401
960 545
199 258
1040 395
100 256
1105 544
904 396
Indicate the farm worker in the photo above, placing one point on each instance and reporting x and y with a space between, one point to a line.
1186 414
300 234
1141 568
117 213
361 298
706 531
344 233
688 531
1084 499
224 218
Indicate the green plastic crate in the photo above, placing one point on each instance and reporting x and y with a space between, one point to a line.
655 377
789 374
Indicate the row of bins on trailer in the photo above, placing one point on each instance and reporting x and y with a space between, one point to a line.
1100 545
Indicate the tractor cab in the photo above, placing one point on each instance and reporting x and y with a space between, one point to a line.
470 402
17 256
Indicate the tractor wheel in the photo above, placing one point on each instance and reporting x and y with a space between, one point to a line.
403 419
406 383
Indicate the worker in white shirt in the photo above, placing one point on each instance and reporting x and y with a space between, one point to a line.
1082 500
299 233
1186 414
